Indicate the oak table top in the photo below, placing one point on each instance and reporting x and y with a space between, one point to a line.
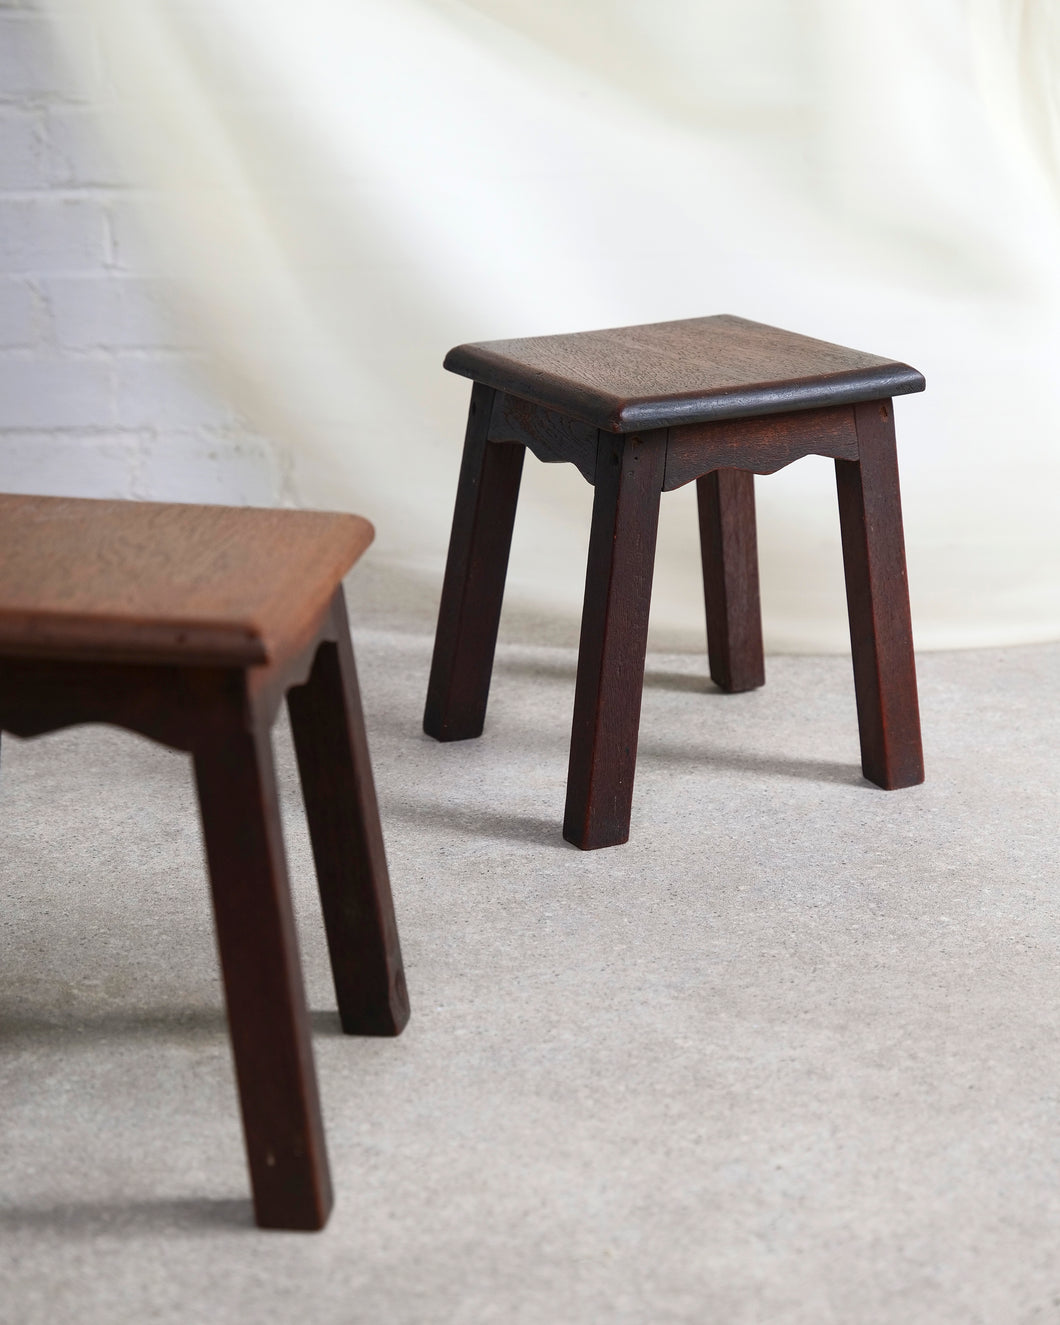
160 582
626 379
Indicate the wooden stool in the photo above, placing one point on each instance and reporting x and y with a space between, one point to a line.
640 411
189 624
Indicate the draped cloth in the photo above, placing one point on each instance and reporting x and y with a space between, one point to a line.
343 189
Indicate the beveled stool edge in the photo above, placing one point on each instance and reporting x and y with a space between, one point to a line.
612 414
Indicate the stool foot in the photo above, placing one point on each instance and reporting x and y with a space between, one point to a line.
728 544
262 977
343 815
614 637
881 636
486 498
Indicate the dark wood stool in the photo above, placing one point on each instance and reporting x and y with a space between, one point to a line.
189 624
640 411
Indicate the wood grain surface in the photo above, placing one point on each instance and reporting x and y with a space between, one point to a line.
553 438
473 589
881 632
267 1017
729 546
668 373
157 582
327 722
761 445
614 639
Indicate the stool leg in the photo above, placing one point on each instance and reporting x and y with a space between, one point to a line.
730 578
347 838
470 609
262 977
614 636
881 635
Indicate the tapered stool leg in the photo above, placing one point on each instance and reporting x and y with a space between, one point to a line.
262 976
614 637
486 498
881 635
728 543
339 792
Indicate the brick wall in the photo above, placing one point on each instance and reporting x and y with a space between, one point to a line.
101 393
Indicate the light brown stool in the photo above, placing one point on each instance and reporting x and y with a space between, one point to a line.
189 625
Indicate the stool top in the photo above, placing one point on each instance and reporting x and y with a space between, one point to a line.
666 373
150 582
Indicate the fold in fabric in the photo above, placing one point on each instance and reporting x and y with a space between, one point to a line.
345 190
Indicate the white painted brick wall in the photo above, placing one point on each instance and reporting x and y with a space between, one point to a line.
101 393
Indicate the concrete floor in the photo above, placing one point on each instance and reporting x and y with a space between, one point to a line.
789 1056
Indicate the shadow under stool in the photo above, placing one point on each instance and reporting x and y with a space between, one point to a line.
189 625
640 411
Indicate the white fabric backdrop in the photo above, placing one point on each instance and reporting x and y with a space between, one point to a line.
349 187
